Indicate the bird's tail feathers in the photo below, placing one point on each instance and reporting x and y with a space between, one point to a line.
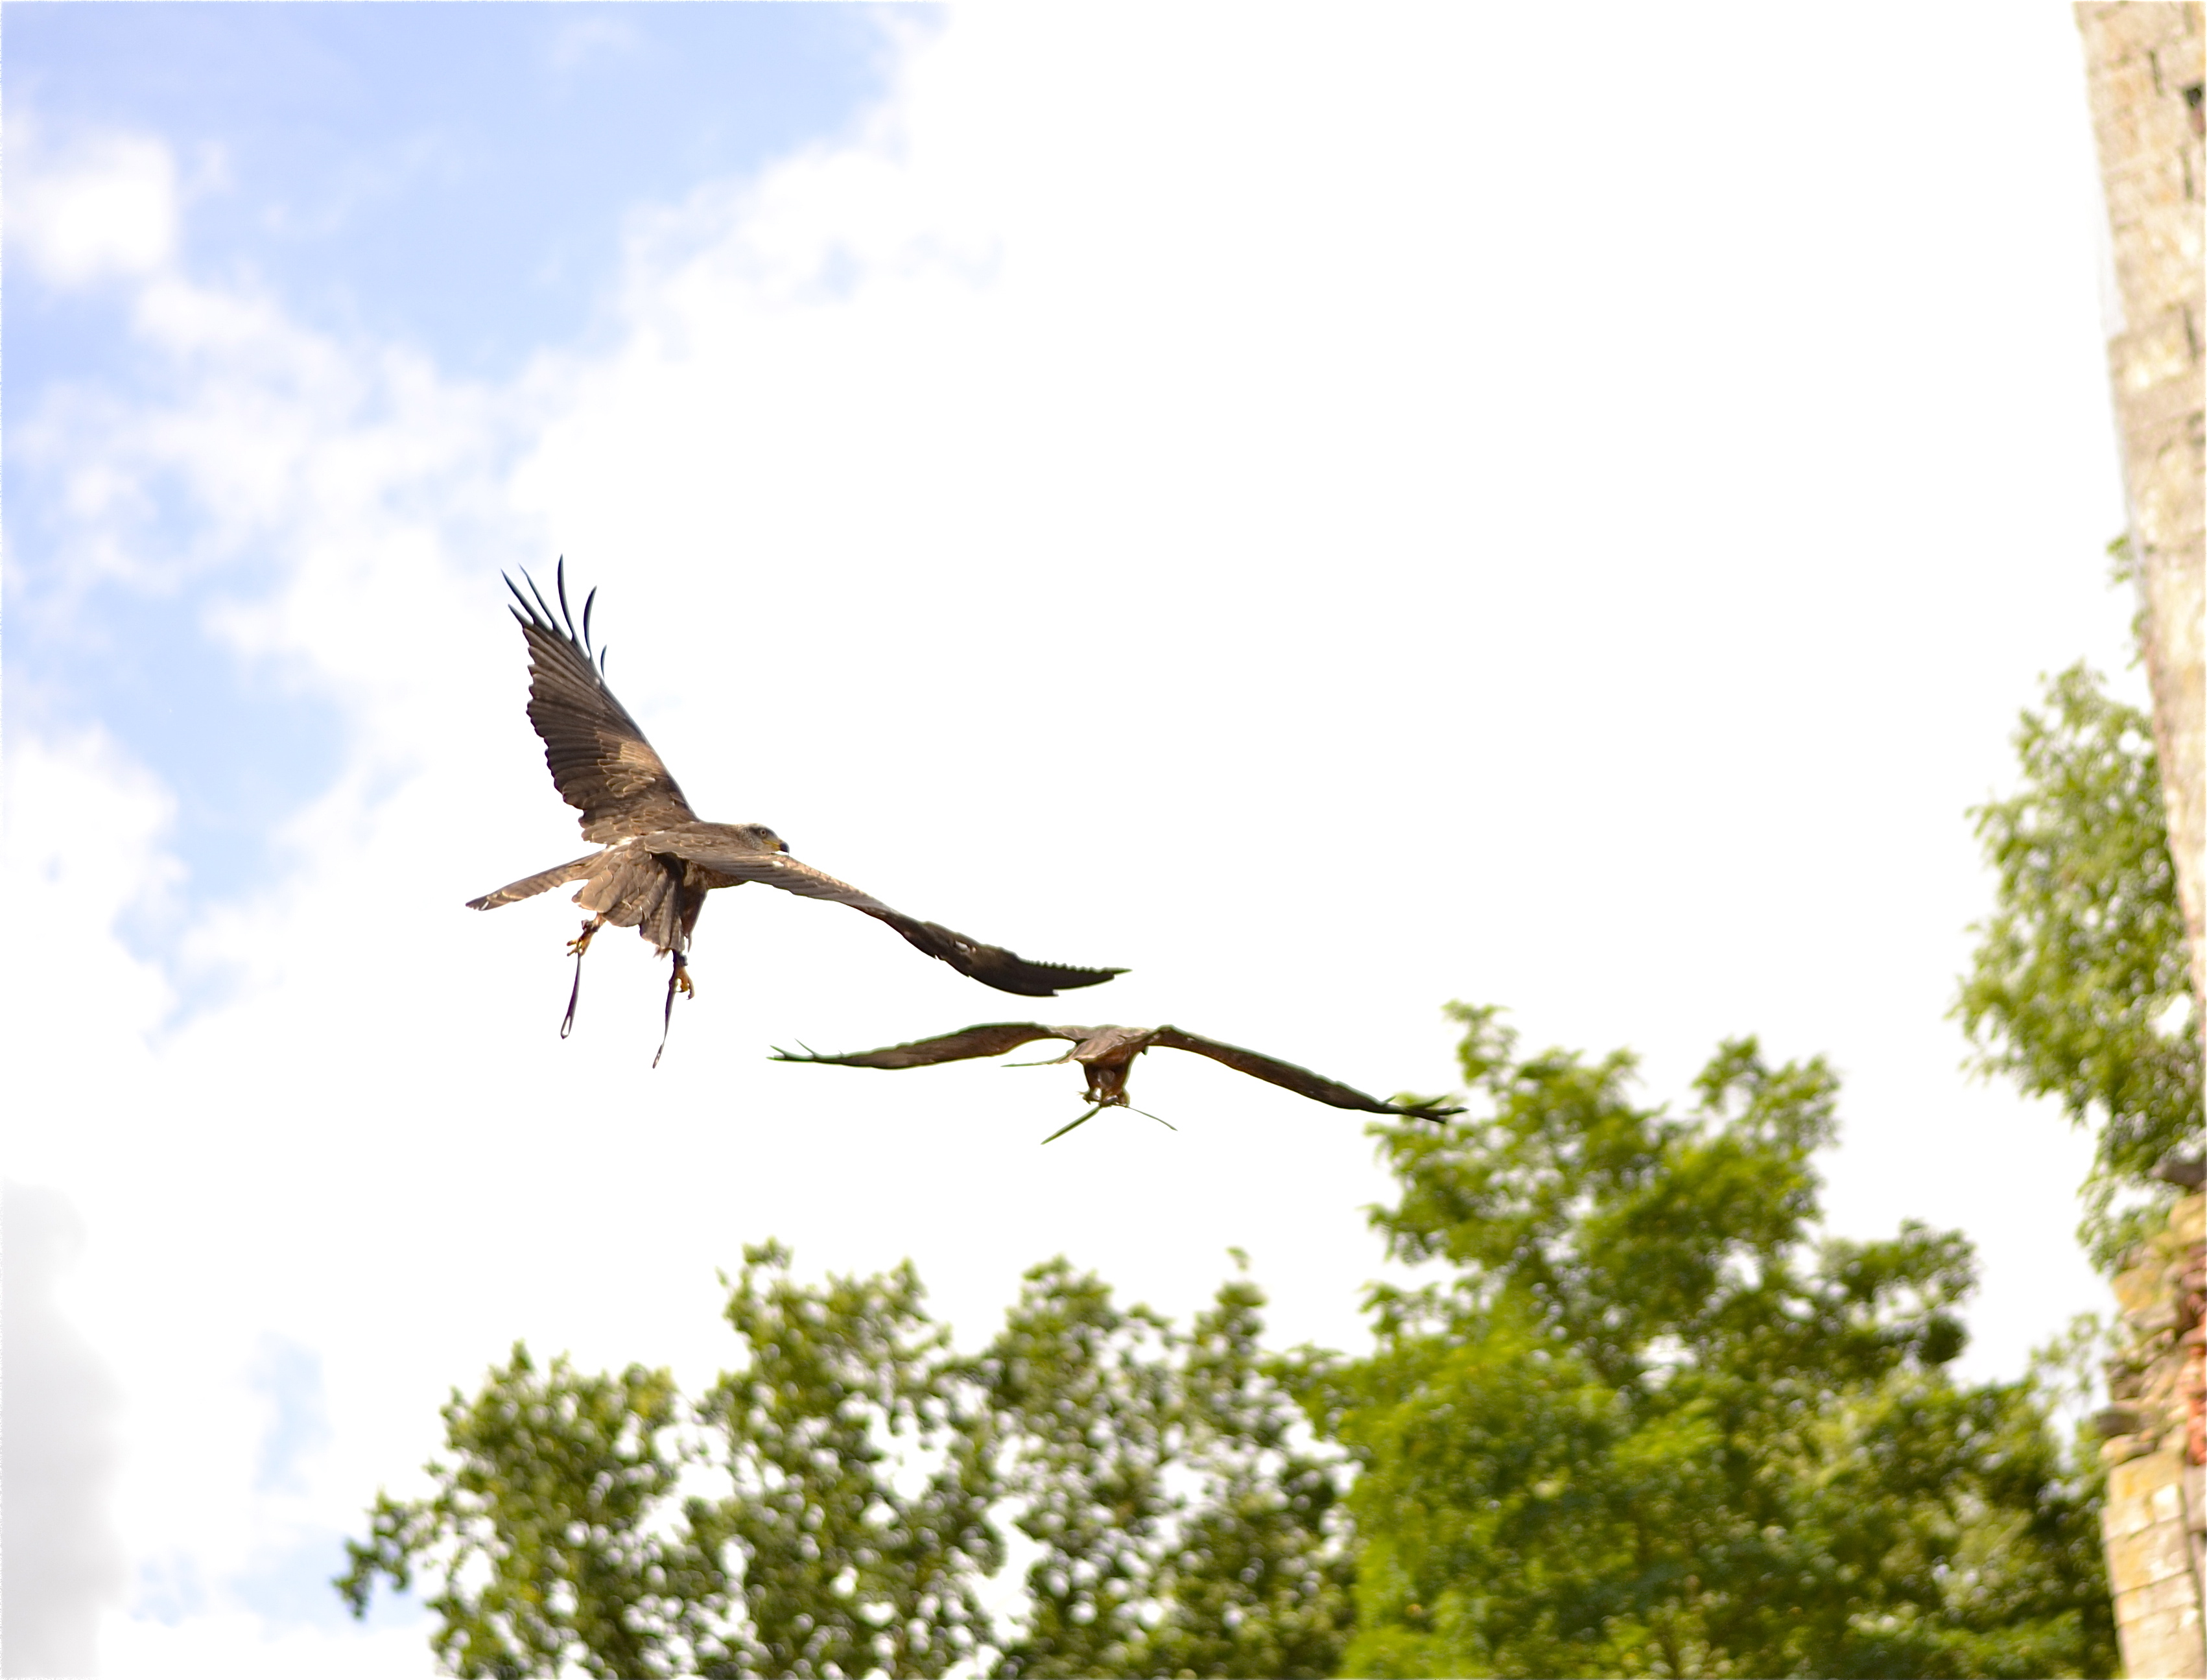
529 886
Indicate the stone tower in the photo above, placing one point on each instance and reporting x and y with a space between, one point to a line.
2145 65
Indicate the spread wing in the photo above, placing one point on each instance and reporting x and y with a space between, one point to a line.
993 1040
599 759
991 965
1300 1080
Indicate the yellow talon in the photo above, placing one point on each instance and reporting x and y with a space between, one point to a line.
682 983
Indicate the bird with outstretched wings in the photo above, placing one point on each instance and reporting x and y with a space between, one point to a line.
1106 1055
656 860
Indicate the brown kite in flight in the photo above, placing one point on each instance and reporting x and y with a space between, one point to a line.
1106 1055
657 861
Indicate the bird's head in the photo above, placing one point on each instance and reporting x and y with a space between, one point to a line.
765 838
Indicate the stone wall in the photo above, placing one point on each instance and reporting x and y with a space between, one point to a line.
2146 66
2158 1442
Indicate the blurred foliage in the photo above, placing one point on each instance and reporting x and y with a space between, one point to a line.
861 1474
541 1535
1186 1522
1641 1423
859 1508
1646 1427
2079 989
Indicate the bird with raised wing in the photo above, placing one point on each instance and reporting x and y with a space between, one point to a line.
656 861
1106 1055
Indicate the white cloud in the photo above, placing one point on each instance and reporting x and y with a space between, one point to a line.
104 207
65 1559
238 1644
1223 510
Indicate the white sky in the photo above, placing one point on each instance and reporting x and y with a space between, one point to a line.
1553 508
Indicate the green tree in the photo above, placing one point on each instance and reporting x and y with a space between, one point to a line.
807 1558
1645 1427
1259 1582
2079 989
847 1389
538 1535
861 1475
1185 1521
1083 1397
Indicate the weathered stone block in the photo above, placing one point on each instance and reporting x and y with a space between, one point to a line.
2155 260
2148 1554
2167 498
2152 185
2160 1643
2150 1485
2178 432
2127 86
2171 1595
2124 1448
2157 446
2129 30
2130 119
2156 351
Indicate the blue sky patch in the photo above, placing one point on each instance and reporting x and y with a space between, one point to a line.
290 1378
291 1587
455 178
452 177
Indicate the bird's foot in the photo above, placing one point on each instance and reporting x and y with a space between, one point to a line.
576 947
678 981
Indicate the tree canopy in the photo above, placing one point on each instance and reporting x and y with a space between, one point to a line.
1640 1421
839 1503
2079 988
1647 1425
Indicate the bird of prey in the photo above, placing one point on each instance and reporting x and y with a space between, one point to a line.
1106 1055
656 861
